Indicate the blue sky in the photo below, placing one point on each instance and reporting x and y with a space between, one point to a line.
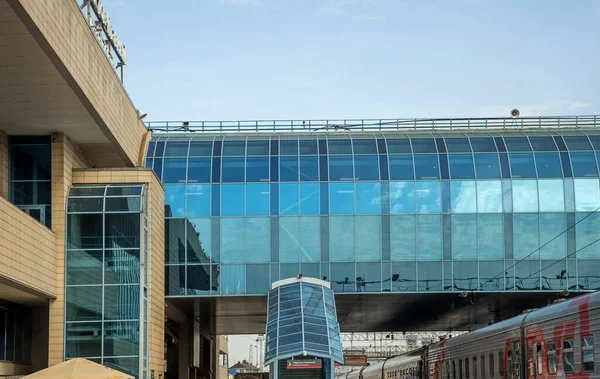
317 59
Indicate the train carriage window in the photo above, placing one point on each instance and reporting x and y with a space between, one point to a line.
501 363
568 356
587 352
467 371
447 370
492 371
460 369
509 365
474 367
538 357
482 363
453 369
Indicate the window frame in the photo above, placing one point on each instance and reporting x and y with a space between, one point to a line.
587 348
570 350
551 353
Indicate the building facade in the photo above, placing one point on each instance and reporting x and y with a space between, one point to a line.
397 211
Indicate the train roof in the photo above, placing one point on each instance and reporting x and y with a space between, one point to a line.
401 359
373 367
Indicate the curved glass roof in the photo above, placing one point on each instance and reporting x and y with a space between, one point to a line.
302 320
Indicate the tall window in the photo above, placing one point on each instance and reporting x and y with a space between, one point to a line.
568 356
492 369
501 363
587 352
538 357
29 184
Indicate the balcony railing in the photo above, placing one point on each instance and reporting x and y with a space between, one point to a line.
374 125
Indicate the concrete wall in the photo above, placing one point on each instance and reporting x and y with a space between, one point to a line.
222 346
62 32
156 252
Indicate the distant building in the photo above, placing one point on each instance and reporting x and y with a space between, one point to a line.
243 367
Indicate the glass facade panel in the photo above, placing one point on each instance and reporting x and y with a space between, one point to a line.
368 238
341 238
401 167
174 201
309 168
198 170
257 199
489 196
257 169
464 240
553 241
289 199
309 198
461 166
548 165
522 165
198 200
525 237
487 166
490 236
429 237
174 170
402 197
257 240
366 167
551 196
368 198
232 242
340 167
310 242
587 195
428 197
524 196
426 166
341 198
464 198
403 238
289 242
587 235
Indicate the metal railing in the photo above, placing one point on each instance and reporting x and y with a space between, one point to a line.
374 125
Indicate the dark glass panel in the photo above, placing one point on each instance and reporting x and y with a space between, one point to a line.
308 147
123 204
487 166
157 168
324 199
257 279
257 169
289 270
233 170
500 144
160 149
423 145
483 144
366 167
458 145
84 267
216 170
517 144
584 164
461 166
364 146
588 271
383 166
381 147
339 146
426 166
440 145
398 146
175 280
545 143
121 338
554 275
274 169
548 165
309 168
198 240
127 365
84 231
177 149
198 280
465 276
174 170
504 166
234 148
595 139
560 143
342 277
566 164
201 148
288 147
401 167
199 170
430 276
274 192
29 162
122 230
150 150
289 168
123 191
491 275
257 147
522 166
83 340
527 275
322 147
82 204
215 200
444 171
577 143
84 303
87 191
122 302
30 193
275 146
340 168
175 240
404 277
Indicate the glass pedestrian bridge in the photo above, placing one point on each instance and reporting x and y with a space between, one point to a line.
302 333
385 206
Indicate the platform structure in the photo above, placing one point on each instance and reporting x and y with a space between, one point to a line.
302 333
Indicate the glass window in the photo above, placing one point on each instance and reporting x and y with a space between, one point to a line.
401 167
83 340
464 242
309 198
548 165
83 267
288 147
524 196
577 143
487 166
525 236
489 196
551 195
587 195
364 146
233 170
309 168
461 166
257 147
429 237
426 166
430 276
120 338
402 238
340 168
402 197
199 170
289 169
200 148
174 201
29 161
568 356
288 239
490 238
551 349
342 277
175 240
257 279
257 246
339 146
545 143
257 199
517 144
483 144
177 149
257 169
198 200
587 232
198 240
289 199
368 238
491 275
458 145
232 242
366 167
121 302
368 197
584 164
310 242
368 277
428 197
308 147
341 238
341 198
232 279
463 196
174 170
587 351
232 203
234 148
398 146
423 145
521 165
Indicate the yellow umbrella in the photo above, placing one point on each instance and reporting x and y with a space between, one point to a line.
78 368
